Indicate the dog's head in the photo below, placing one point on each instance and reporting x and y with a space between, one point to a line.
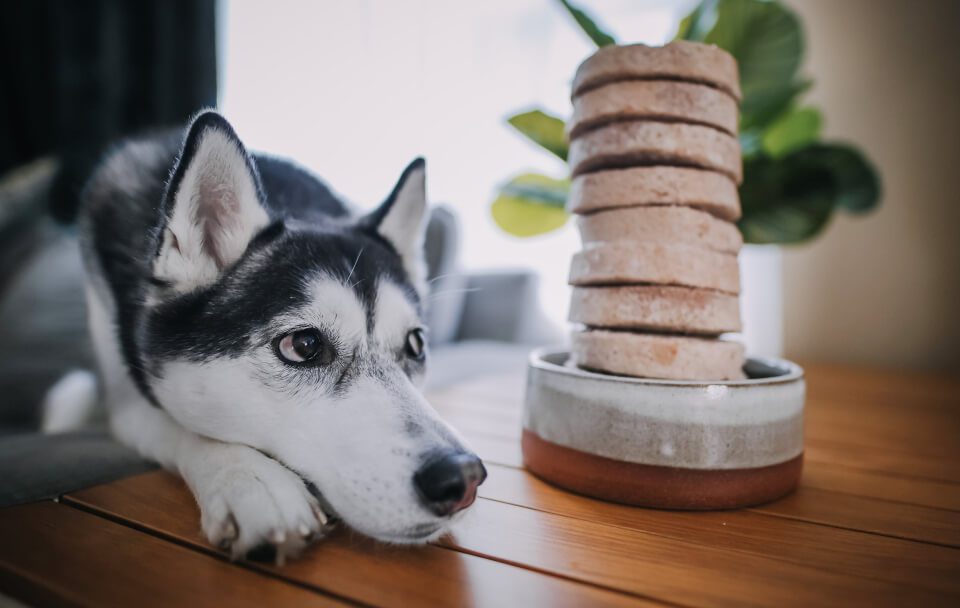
303 339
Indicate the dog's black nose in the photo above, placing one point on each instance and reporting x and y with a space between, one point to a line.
448 481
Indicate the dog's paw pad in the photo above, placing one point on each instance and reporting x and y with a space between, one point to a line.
265 553
257 505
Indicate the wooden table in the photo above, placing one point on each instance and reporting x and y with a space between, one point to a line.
876 521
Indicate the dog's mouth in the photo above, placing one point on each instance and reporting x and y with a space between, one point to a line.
422 530
412 535
415 535
420 533
324 503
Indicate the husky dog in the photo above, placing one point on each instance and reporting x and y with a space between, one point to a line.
261 340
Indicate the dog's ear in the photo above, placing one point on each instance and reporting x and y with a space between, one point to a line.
402 221
212 207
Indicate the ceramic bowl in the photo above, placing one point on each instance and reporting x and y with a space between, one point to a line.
665 443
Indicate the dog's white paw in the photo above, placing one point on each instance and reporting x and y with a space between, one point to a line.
255 507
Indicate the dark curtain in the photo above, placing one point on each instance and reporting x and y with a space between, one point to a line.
78 74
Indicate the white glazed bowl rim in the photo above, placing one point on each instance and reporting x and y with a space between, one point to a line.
761 371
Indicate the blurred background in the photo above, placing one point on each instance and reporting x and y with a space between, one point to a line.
354 90
438 78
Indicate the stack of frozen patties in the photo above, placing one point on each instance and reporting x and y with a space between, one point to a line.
656 162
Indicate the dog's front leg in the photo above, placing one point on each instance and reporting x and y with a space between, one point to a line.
249 503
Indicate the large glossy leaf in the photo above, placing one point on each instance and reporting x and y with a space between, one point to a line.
781 202
764 106
794 129
543 129
790 199
531 204
856 180
588 25
767 41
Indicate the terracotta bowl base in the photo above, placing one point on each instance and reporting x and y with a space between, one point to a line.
657 486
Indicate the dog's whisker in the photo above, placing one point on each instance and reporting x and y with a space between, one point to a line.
442 276
452 291
355 262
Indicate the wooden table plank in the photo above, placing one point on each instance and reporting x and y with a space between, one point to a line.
892 460
912 389
604 555
871 484
927 442
664 568
877 519
906 425
857 553
52 554
500 444
879 459
869 515
924 431
351 566
873 502
816 474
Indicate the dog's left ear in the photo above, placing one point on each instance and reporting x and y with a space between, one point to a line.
212 208
402 221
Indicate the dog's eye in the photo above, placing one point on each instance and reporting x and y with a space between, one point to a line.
415 343
304 345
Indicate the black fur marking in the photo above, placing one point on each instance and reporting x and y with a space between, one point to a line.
121 225
265 553
297 192
376 217
266 236
222 320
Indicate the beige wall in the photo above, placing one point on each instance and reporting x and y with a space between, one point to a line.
885 289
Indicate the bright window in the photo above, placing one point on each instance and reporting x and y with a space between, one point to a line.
354 90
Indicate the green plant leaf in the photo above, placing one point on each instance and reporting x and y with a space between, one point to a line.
791 198
764 106
699 22
792 130
781 202
767 41
531 204
543 129
589 27
858 188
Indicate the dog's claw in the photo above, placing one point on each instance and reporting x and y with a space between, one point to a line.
228 533
236 553
304 530
319 514
257 509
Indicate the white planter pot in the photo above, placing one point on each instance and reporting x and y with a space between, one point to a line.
761 299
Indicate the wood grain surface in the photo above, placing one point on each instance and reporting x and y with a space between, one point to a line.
51 554
876 521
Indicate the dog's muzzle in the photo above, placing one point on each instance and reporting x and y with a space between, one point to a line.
448 481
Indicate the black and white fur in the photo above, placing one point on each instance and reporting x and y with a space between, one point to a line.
200 259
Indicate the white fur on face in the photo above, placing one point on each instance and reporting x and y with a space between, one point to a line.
215 215
394 317
360 445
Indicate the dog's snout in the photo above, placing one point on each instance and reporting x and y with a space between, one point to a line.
448 481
